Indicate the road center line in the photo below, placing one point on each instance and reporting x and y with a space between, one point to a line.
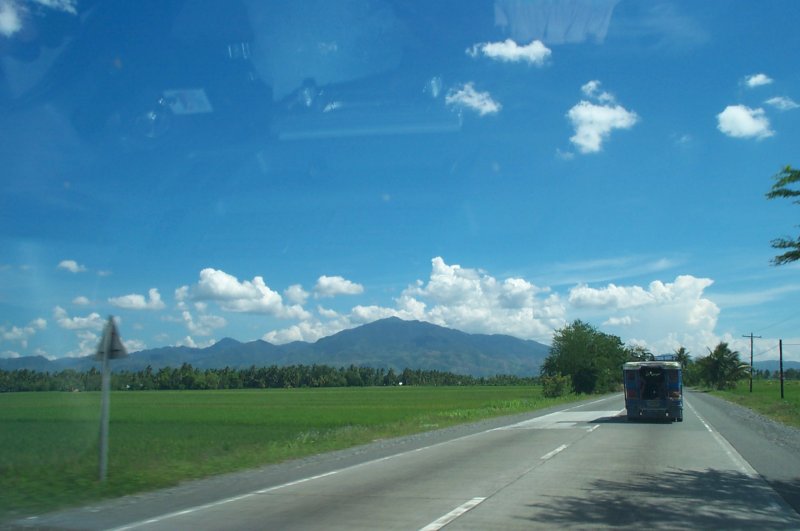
452 515
548 455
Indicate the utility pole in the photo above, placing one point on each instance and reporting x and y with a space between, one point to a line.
751 336
780 356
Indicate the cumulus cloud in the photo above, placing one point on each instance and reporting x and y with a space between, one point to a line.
336 285
665 315
592 90
740 121
72 266
594 123
80 301
134 345
135 301
93 321
204 325
87 344
296 294
757 80
468 97
626 320
535 53
21 334
9 354
248 296
661 316
782 103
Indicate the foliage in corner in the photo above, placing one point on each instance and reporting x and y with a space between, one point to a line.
782 188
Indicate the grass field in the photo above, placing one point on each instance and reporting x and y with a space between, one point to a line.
766 399
49 441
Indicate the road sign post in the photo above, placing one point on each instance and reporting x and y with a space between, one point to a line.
110 347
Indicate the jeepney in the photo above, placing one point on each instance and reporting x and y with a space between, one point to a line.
653 390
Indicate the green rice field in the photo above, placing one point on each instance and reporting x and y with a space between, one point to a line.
766 399
49 441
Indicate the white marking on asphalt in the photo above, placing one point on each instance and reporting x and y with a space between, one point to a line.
452 515
245 496
548 455
737 459
590 430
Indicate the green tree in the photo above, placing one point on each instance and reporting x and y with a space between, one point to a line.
682 357
722 368
592 359
782 188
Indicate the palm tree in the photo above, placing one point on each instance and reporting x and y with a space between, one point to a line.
722 368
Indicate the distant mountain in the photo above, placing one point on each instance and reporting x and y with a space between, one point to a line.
386 343
774 365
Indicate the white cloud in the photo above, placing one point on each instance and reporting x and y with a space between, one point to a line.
134 345
782 103
72 266
10 21
660 315
739 121
93 321
468 97
249 296
80 301
21 334
535 53
594 123
757 80
204 325
664 315
626 320
296 294
9 354
135 301
87 344
336 285
592 90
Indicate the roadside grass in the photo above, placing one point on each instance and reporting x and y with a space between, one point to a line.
766 399
49 441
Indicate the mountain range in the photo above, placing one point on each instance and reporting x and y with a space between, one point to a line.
387 343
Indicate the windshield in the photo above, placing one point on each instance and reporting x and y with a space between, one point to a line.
282 171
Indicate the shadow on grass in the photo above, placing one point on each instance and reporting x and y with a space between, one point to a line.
709 499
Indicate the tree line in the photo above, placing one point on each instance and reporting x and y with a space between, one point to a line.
272 377
584 360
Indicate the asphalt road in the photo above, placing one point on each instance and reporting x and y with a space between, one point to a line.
579 467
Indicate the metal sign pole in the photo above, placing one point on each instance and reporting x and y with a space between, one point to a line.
104 417
110 347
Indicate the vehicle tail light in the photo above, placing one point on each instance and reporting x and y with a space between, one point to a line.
630 393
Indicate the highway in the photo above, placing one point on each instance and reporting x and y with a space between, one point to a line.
581 467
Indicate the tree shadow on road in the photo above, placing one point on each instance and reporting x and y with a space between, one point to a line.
708 499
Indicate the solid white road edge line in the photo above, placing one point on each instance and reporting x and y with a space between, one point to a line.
197 508
743 466
778 502
452 515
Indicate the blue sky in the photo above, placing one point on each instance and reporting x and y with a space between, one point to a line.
603 161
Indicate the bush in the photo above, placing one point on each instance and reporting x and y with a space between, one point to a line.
555 386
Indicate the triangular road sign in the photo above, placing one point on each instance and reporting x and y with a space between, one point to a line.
113 343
